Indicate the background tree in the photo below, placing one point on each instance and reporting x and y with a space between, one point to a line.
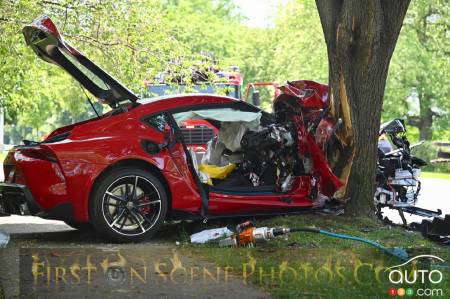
298 46
133 40
419 85
360 38
294 48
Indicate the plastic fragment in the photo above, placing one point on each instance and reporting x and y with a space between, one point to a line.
4 238
210 235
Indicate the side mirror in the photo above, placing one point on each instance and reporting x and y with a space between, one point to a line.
256 98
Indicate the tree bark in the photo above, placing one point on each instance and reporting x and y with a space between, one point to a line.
426 121
423 121
360 37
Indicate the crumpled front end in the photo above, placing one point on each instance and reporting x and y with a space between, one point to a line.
279 154
305 104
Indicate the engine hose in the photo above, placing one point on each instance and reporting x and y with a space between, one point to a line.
396 251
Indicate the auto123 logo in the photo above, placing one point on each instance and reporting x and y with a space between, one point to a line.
407 280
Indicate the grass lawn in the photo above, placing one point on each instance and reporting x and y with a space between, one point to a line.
316 266
436 175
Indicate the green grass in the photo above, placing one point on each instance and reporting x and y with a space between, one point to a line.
288 259
436 175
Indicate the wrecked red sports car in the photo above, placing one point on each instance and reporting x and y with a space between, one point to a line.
129 170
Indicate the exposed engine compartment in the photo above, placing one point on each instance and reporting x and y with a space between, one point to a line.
269 155
264 154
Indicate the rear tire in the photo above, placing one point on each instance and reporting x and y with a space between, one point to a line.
128 205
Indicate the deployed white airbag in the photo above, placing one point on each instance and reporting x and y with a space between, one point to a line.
222 115
231 133
234 123
214 153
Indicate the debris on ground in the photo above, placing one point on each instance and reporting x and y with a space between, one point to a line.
4 238
437 230
247 234
210 235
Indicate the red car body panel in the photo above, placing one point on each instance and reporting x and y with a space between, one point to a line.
96 145
64 168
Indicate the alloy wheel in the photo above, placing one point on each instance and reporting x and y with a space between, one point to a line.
131 205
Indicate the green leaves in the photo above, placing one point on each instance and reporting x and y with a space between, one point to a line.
132 40
135 40
419 67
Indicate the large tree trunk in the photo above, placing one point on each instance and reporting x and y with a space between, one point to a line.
423 121
426 122
360 37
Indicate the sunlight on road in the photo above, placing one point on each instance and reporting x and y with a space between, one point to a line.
28 224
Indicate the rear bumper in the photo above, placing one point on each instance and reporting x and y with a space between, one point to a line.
17 199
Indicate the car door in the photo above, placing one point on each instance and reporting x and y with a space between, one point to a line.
185 189
185 165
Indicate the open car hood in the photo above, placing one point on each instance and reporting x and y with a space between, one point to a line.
44 38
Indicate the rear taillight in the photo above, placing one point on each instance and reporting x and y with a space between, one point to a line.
40 153
9 167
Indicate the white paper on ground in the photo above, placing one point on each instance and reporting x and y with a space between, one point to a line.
210 235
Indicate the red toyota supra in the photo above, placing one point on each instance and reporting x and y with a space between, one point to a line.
131 169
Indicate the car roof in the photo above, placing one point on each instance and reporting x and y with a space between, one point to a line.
183 101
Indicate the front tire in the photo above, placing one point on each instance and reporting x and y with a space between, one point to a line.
128 205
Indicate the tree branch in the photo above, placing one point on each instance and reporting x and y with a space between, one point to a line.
8 20
86 38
